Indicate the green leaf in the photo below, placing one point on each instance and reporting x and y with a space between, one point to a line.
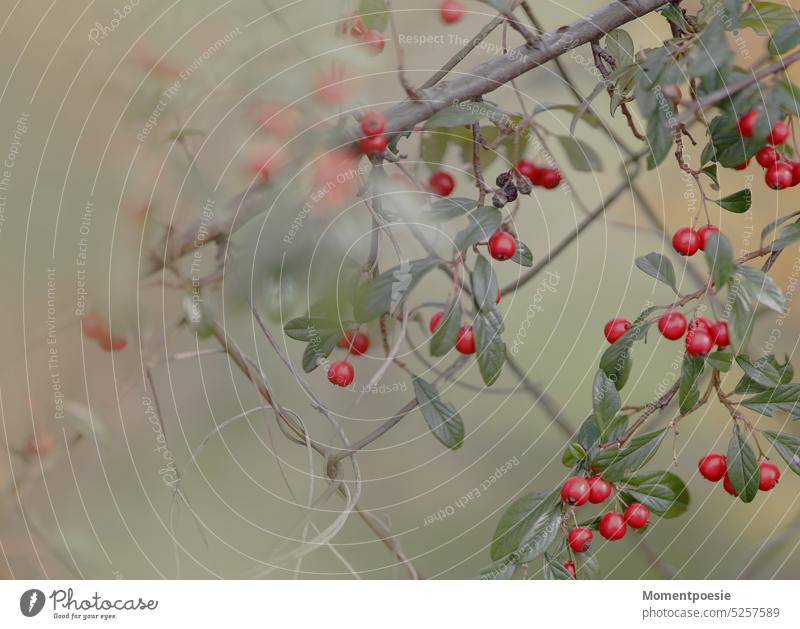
721 361
784 398
450 207
390 289
772 373
788 446
443 420
483 222
522 255
464 113
743 468
489 345
446 334
763 288
787 236
689 393
318 349
620 46
785 38
616 360
659 267
433 147
719 256
738 203
763 373
765 18
606 400
616 463
711 172
374 14
581 155
308 328
526 525
662 492
776 223
675 15
554 570
484 284
573 453
727 145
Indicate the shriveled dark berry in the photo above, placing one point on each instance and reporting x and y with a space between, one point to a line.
524 185
510 190
502 179
499 199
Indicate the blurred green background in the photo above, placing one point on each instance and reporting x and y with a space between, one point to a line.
97 506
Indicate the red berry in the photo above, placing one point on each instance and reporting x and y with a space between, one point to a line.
497 301
612 526
465 343
698 341
502 245
451 11
713 466
780 132
373 123
93 326
686 241
637 515
779 176
767 156
742 166
672 325
528 169
358 342
599 490
441 183
705 231
570 567
580 539
721 334
795 172
356 26
769 475
729 486
747 124
702 322
615 329
373 41
549 177
373 143
575 491
341 373
435 320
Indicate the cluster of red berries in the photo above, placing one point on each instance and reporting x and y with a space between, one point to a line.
451 11
687 241
779 173
545 176
94 327
702 334
714 467
577 491
371 39
373 125
465 342
341 372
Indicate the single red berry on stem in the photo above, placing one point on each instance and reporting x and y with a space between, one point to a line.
713 466
548 177
686 241
726 483
767 156
441 183
92 325
637 515
357 27
497 301
615 329
779 176
705 231
702 322
358 343
435 320
672 325
373 123
769 475
373 41
451 11
570 567
795 172
722 334
780 132
502 245
699 341
742 166
580 539
466 340
575 491
612 526
528 169
341 373
599 489
747 124
373 143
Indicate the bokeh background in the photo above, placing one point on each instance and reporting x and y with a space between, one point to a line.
79 82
